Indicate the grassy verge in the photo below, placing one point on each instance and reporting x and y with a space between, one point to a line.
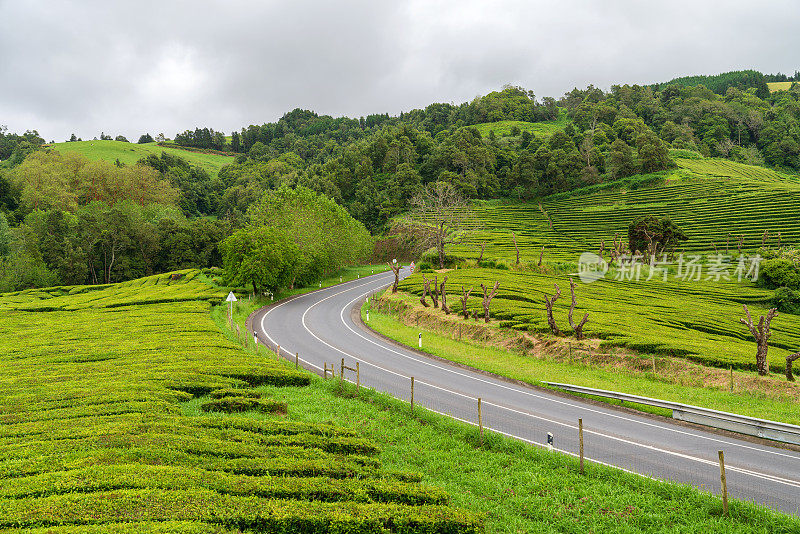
518 487
534 370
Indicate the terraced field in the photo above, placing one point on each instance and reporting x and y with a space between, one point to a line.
93 437
696 320
730 169
712 211
130 153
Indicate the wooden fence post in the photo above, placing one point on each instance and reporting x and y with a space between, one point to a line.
580 439
412 394
296 360
341 372
480 420
724 483
731 380
654 364
358 377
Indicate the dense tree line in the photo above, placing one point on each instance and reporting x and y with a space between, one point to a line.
373 166
74 221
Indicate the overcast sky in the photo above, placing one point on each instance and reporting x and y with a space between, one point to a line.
127 67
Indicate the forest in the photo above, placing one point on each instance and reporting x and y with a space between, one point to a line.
67 220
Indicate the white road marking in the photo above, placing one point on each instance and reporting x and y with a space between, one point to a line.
349 305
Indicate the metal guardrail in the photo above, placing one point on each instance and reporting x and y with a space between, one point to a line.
742 424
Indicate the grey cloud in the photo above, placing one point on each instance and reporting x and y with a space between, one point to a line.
130 67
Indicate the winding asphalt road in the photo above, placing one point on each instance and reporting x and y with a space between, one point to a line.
324 327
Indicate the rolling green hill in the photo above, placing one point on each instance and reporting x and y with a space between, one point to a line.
503 128
130 153
713 200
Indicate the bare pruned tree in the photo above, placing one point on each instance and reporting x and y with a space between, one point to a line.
395 267
515 245
548 302
445 309
541 256
619 249
789 359
480 258
435 292
487 299
577 329
761 333
426 287
464 297
439 216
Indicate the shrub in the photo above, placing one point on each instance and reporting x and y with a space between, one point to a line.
227 392
779 272
243 404
786 300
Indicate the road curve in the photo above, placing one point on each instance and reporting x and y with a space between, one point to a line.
323 328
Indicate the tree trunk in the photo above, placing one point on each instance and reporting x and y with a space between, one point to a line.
396 270
761 334
426 285
789 359
548 302
577 329
487 300
464 297
445 309
255 286
515 245
435 292
440 245
480 258
541 255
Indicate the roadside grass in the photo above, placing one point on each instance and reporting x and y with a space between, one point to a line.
130 153
674 381
519 488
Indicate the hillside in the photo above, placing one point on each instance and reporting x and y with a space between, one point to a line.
130 153
713 200
95 429
779 86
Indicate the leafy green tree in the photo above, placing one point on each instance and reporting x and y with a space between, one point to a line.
620 160
654 235
262 256
145 138
653 153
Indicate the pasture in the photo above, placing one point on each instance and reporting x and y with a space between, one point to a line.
130 153
779 86
95 433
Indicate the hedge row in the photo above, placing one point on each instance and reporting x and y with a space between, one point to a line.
243 404
234 512
138 476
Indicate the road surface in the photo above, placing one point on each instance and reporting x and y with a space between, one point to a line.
323 327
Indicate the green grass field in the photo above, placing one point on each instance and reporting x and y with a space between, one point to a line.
502 129
130 153
779 86
94 435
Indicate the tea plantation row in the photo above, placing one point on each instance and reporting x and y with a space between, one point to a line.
93 437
